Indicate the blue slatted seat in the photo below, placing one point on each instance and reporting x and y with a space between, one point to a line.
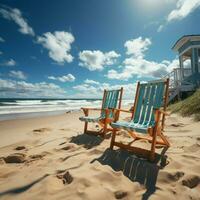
111 101
150 97
142 128
90 119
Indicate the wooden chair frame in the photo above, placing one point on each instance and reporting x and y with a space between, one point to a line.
153 132
103 123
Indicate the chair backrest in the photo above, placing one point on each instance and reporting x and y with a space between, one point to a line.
111 99
150 96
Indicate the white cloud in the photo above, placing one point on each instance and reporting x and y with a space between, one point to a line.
137 65
96 91
123 75
58 44
1 39
183 9
17 74
9 63
14 14
66 78
10 88
88 81
142 67
137 47
96 60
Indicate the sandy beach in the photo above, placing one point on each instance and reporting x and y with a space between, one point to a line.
51 158
124 65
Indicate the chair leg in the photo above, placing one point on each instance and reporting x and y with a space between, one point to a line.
113 138
165 140
153 145
86 112
85 127
105 129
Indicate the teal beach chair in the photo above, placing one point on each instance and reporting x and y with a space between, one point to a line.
148 117
111 101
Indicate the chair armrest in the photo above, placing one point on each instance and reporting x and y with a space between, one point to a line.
117 113
99 109
162 111
91 108
122 110
107 110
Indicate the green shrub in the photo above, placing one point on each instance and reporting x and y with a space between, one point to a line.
188 107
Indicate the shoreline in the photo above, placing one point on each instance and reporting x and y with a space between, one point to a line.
21 109
5 117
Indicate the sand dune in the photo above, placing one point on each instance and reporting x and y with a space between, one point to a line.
50 158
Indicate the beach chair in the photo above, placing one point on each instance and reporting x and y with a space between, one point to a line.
111 100
147 120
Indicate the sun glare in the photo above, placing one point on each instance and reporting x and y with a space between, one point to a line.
150 5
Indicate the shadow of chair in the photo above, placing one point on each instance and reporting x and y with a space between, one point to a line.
135 168
24 188
87 140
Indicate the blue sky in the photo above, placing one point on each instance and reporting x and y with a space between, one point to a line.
76 48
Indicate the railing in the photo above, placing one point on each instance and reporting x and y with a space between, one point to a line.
177 76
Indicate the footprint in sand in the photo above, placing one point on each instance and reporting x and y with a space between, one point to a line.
120 194
191 181
175 176
68 147
62 143
15 158
35 157
178 125
65 176
198 141
192 148
65 129
95 152
20 148
38 156
41 130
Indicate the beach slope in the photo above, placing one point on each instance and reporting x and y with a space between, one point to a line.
51 158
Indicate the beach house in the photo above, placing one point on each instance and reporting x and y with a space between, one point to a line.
186 78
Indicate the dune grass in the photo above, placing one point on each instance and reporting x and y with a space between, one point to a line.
188 107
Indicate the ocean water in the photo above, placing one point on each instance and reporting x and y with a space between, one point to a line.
23 108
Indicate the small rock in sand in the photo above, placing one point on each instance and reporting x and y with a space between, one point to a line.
15 158
66 177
